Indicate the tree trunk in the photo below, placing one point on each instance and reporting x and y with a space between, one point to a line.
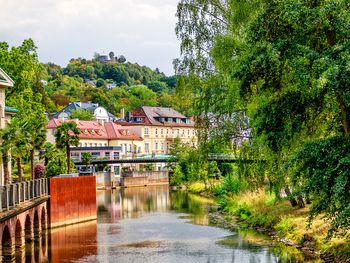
19 169
5 162
32 163
46 161
292 200
344 114
307 199
301 203
68 158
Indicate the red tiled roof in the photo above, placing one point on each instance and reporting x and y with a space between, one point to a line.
151 115
97 130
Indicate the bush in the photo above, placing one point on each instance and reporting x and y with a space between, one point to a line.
243 212
176 178
39 170
285 226
232 184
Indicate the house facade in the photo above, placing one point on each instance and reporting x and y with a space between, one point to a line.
159 127
99 113
6 113
105 140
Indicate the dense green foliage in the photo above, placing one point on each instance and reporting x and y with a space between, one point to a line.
67 135
285 64
114 85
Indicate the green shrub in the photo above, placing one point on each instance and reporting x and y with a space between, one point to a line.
243 212
232 184
176 178
285 226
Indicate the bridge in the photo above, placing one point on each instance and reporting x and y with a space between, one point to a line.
23 215
221 158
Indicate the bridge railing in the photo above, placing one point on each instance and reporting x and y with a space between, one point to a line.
12 195
221 156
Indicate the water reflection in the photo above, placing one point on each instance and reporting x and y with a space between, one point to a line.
73 242
148 224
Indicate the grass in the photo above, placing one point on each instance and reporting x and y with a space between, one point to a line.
262 209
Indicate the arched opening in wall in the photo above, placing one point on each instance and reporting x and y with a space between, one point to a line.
36 224
6 244
19 242
28 229
43 218
18 235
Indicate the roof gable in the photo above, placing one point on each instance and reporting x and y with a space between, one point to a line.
5 80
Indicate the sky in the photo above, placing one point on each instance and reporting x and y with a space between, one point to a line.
141 30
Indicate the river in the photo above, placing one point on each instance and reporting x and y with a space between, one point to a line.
151 224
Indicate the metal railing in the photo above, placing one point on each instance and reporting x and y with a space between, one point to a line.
12 195
221 156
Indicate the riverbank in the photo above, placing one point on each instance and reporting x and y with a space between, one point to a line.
280 221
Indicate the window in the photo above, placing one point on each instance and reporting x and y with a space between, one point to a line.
146 147
95 155
162 146
167 131
188 132
161 131
138 119
156 131
107 154
156 146
115 155
85 144
146 131
178 120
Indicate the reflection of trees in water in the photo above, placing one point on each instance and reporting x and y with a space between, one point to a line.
187 203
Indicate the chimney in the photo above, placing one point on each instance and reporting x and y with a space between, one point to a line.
128 116
102 122
122 114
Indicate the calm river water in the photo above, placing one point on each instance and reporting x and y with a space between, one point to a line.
151 224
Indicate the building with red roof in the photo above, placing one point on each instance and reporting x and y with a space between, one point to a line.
159 127
103 139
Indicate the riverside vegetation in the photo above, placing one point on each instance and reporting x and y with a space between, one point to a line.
270 82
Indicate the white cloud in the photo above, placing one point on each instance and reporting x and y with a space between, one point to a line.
142 30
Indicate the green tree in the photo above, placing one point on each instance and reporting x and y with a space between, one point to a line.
82 114
284 63
86 158
14 142
67 135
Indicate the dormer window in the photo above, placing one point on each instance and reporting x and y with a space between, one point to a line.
138 119
178 120
161 119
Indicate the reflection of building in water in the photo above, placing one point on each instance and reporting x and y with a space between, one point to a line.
137 200
131 202
108 205
73 242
